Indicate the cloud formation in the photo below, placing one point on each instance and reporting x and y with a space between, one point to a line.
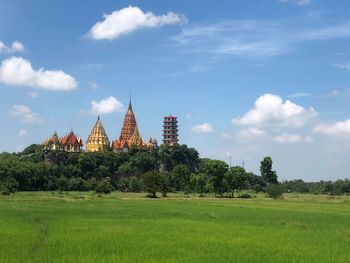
26 115
203 128
15 47
287 138
298 2
17 71
106 106
271 109
129 19
22 132
256 38
337 128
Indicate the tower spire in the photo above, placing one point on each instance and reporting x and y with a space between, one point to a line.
130 106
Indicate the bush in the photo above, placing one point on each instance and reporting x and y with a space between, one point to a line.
104 186
275 191
258 188
245 196
9 186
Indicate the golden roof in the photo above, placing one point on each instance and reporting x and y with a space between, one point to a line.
98 134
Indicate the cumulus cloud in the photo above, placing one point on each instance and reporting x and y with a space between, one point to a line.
286 138
203 128
15 47
106 106
271 109
129 19
26 115
17 71
338 128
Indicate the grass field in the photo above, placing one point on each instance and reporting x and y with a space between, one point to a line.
83 227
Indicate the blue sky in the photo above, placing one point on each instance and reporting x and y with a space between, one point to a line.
245 78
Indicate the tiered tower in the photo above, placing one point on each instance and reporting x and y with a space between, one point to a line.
170 131
129 124
98 139
129 135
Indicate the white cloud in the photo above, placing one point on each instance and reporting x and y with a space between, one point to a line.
203 128
129 19
250 133
22 132
298 2
33 94
300 95
271 109
256 38
106 106
15 47
17 71
345 66
338 128
286 138
26 115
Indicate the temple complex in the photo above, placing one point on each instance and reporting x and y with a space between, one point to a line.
129 135
98 139
129 138
72 143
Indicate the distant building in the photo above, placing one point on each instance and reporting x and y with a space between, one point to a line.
72 143
129 135
170 131
54 143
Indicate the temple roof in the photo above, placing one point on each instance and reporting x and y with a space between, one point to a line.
98 134
129 124
71 138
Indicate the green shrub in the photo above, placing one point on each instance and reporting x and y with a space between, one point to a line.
275 191
245 196
104 186
8 186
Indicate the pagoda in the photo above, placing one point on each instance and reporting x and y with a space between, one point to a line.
98 139
129 135
72 143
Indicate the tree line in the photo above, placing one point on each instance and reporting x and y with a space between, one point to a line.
162 170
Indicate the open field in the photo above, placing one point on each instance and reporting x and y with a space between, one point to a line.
83 227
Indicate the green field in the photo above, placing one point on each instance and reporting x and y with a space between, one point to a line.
83 227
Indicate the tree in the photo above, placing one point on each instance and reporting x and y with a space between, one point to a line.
164 183
104 186
235 179
266 171
182 174
216 170
151 183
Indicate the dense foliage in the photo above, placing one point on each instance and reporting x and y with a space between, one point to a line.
165 169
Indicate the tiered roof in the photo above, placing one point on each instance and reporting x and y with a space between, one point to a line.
98 139
71 138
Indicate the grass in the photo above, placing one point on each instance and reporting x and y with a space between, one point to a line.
84 227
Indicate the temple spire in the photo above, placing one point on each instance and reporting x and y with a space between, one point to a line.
130 106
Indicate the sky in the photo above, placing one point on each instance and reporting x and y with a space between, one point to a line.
246 79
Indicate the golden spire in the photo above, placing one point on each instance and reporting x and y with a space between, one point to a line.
98 139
